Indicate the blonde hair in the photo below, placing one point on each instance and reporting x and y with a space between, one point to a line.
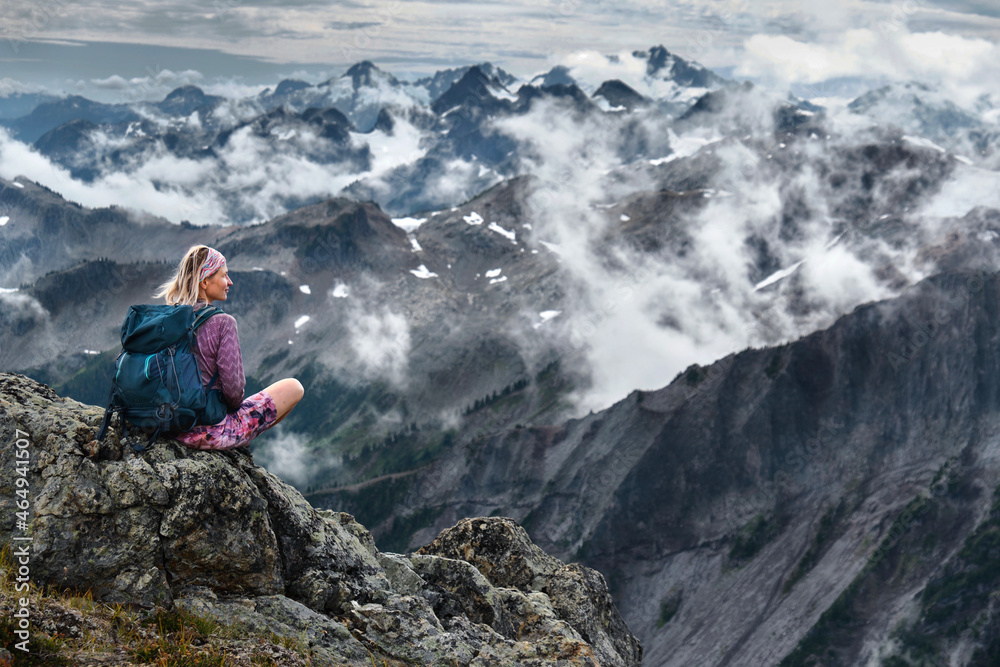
183 287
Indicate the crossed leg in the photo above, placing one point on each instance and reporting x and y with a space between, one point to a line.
286 394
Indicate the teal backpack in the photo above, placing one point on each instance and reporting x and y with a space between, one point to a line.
157 385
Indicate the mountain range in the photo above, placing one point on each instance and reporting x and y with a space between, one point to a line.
731 348
413 146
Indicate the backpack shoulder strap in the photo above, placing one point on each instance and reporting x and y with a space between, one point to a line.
203 315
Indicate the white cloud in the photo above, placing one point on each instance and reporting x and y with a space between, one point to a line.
154 86
842 280
640 318
114 82
942 56
285 454
391 150
10 87
968 188
591 69
233 89
119 188
380 341
250 178
39 343
952 60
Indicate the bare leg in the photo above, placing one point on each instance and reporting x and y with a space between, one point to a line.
286 394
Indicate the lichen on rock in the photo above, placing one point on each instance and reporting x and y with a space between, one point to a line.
213 534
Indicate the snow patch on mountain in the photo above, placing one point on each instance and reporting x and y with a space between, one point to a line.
777 275
508 234
926 143
545 316
408 224
423 272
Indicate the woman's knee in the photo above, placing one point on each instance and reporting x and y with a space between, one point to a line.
286 393
295 389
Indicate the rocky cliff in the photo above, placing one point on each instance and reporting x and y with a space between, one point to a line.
211 533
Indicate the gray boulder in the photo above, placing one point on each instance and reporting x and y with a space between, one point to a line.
503 553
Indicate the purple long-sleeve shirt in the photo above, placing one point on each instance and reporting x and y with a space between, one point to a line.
219 350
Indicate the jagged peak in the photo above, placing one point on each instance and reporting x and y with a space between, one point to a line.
362 67
184 92
558 75
657 57
365 73
475 88
287 86
497 73
620 94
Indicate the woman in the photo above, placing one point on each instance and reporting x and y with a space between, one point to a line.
202 278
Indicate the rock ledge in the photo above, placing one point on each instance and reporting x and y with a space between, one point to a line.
212 533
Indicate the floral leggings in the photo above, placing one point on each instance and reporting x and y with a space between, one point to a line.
257 414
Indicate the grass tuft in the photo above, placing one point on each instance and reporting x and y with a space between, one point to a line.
82 631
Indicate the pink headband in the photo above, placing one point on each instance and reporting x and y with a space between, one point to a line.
213 263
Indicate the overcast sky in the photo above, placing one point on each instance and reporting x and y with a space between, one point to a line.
103 45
